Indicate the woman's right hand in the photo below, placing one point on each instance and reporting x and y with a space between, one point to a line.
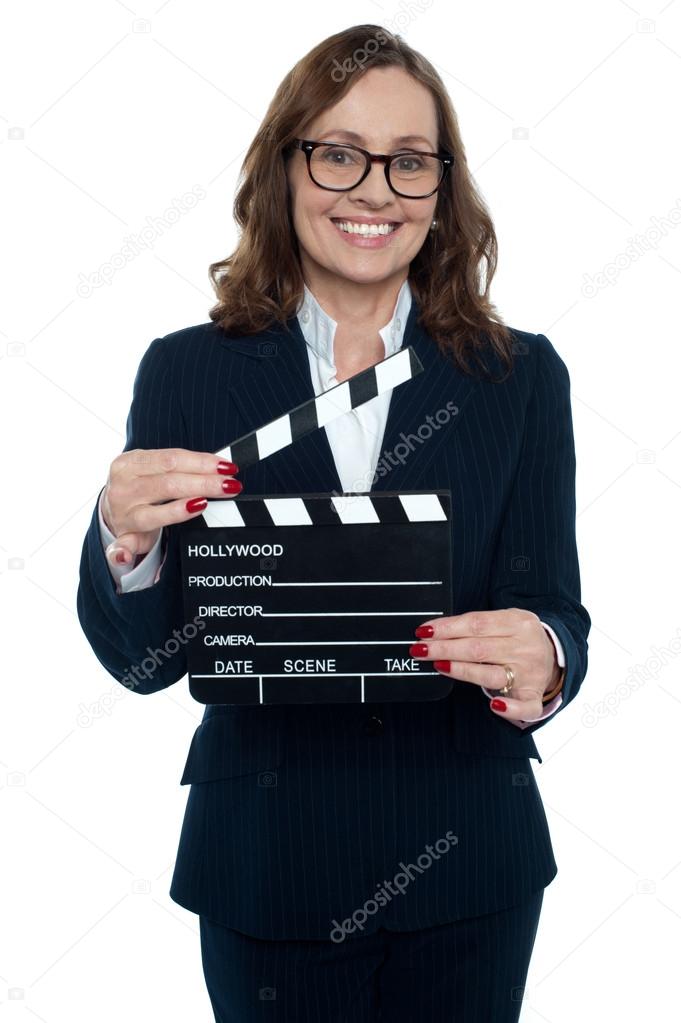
151 488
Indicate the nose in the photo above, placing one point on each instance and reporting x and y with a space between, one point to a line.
374 188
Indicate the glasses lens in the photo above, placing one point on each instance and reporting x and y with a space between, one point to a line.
336 166
414 174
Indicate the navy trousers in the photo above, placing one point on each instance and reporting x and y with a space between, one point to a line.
469 971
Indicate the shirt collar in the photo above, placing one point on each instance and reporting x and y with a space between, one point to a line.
319 328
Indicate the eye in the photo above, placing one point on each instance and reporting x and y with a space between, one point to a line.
339 157
408 163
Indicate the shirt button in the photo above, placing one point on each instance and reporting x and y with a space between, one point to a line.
305 316
372 726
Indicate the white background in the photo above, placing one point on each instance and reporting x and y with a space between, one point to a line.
569 114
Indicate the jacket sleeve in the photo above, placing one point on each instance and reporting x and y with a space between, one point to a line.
137 636
535 564
145 573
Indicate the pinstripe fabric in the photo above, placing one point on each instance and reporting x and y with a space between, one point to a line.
470 971
296 815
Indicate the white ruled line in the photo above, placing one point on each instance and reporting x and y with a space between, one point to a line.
334 642
342 614
379 582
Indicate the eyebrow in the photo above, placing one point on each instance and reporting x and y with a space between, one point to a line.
402 140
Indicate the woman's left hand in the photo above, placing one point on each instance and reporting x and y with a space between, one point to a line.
475 646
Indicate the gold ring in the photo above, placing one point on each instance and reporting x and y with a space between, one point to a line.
509 680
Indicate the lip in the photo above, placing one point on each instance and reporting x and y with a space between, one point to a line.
378 241
366 220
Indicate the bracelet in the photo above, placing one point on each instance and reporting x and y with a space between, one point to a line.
547 697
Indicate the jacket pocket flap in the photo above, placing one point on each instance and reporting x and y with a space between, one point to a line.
231 745
477 730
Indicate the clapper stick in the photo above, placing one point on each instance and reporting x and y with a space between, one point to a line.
318 411
252 447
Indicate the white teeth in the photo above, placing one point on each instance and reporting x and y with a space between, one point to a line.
369 229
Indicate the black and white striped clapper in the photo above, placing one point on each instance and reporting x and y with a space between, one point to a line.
318 411
314 599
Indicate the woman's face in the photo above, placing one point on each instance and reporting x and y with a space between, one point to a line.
384 105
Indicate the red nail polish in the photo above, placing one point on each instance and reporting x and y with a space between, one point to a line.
418 650
196 504
424 631
120 557
232 486
227 468
441 665
498 704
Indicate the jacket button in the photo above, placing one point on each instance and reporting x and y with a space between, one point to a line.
372 726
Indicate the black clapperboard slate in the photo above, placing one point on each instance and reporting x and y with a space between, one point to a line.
314 598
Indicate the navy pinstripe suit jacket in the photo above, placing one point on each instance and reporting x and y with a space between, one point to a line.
297 814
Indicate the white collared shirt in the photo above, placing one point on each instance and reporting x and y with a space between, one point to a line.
356 437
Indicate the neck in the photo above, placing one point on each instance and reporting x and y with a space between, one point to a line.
363 308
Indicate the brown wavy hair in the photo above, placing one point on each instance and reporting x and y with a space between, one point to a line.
262 281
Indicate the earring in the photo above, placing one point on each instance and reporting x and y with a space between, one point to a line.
433 225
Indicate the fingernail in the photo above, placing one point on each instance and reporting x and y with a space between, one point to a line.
441 665
424 631
498 704
227 468
120 557
232 486
196 504
418 650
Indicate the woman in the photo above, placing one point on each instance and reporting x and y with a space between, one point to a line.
360 861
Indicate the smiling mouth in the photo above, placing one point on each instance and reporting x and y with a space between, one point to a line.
366 230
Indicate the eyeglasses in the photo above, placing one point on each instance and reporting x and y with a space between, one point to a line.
340 167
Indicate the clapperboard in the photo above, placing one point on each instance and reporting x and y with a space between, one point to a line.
315 598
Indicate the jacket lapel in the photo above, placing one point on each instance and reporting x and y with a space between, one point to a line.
422 412
419 420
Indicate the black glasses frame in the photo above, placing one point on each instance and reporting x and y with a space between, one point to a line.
308 146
